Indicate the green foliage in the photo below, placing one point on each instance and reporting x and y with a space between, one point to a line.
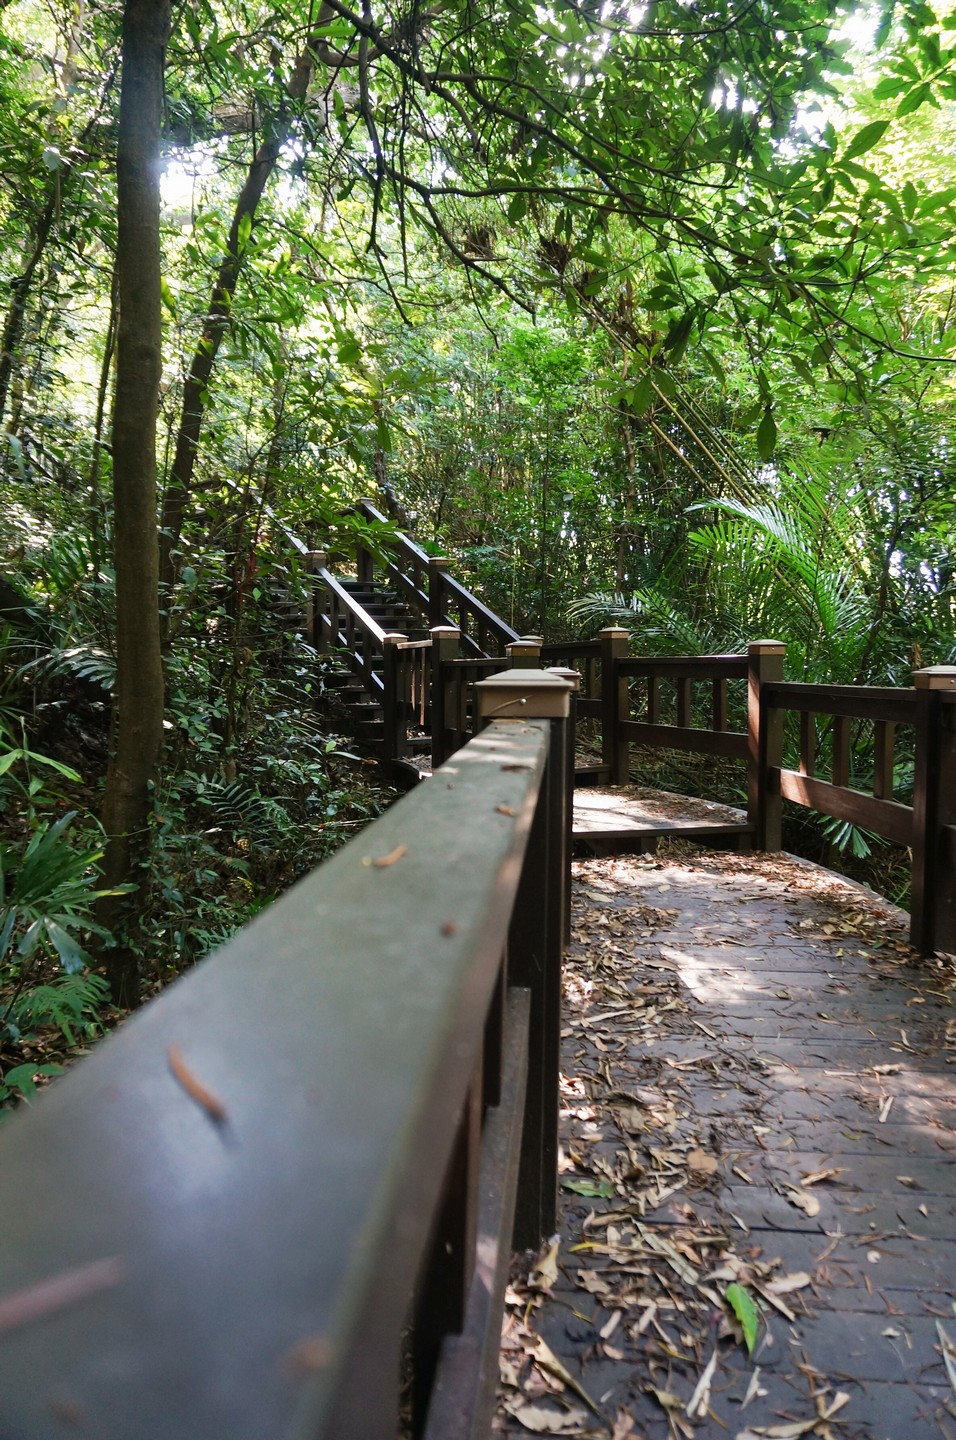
19 1082
47 894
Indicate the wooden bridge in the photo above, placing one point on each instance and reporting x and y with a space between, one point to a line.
296 1177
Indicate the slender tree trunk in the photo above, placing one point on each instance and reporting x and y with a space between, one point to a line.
195 391
20 288
102 395
138 701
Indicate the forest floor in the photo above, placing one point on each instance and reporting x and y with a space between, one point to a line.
758 1155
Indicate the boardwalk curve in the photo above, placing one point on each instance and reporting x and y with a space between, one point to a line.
758 1091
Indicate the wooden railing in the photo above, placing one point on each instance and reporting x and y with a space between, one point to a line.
212 1226
423 582
927 826
735 707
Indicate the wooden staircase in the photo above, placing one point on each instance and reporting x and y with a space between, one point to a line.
376 628
361 707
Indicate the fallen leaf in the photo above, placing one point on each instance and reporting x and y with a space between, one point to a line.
594 1188
799 1198
505 810
699 1402
545 1272
46 1297
746 1312
949 1354
816 1176
381 862
546 1358
665 1398
779 1432
194 1087
312 1353
701 1163
754 1389
784 1284
546 1419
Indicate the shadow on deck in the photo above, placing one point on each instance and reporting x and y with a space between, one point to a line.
759 1090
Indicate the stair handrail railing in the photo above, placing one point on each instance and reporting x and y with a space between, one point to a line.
423 580
215 1223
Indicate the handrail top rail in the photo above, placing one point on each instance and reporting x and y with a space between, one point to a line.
345 597
571 648
494 621
371 512
878 702
244 1241
735 666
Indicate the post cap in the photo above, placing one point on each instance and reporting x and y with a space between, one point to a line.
935 677
439 562
572 676
440 632
611 630
317 557
393 637
766 645
523 695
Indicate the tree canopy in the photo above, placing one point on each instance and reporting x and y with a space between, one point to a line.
639 310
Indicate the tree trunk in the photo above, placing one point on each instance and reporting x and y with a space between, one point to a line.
138 701
195 391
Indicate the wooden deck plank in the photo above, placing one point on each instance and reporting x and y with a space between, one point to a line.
770 1017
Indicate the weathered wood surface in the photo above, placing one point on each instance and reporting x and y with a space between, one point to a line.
767 1038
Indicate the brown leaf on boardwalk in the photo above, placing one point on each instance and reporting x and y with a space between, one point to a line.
194 1087
46 1297
312 1353
381 862
449 927
809 1204
547 1419
701 1163
505 810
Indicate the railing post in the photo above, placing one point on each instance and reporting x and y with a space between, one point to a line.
573 678
315 560
764 743
364 559
933 899
535 939
525 652
446 645
393 702
615 751
437 566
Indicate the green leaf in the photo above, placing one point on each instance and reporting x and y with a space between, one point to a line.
517 207
602 1188
72 956
889 87
746 1312
914 99
640 395
767 435
866 138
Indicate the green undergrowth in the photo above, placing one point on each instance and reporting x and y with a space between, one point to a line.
256 790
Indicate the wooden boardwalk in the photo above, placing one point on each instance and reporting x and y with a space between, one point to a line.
759 1091
634 817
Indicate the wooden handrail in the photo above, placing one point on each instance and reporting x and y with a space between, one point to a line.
214 1223
348 603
